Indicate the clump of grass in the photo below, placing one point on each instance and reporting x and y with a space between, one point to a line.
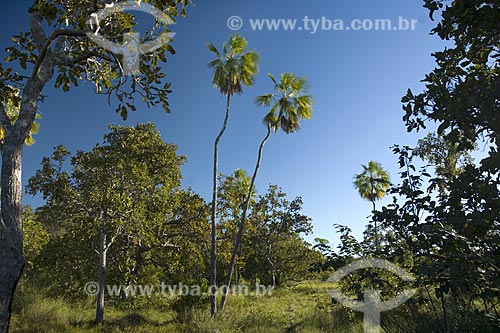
33 311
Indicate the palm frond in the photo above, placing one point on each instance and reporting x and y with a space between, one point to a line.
264 100
211 47
271 76
291 103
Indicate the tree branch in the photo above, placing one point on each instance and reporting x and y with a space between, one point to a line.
37 32
48 43
4 118
82 57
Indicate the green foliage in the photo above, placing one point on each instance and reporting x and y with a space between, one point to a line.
373 182
36 236
454 240
290 103
11 105
447 158
233 190
235 66
461 94
273 249
455 237
273 233
58 40
128 188
372 185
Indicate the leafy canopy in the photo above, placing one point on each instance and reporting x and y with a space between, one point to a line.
57 45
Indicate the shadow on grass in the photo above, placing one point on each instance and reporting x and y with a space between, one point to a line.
126 323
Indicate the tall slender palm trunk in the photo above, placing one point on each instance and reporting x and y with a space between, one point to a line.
375 228
213 248
241 226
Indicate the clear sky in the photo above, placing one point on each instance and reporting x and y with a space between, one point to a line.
357 78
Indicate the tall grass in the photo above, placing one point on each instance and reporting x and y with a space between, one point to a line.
304 308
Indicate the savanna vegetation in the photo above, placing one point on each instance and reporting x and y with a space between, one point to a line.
120 246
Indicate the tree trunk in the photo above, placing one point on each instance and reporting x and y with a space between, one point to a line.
101 271
445 314
213 248
242 222
11 237
272 268
375 229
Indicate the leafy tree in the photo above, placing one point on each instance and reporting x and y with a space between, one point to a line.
232 193
455 237
234 68
36 236
446 156
169 246
276 246
116 193
290 103
57 46
372 185
453 248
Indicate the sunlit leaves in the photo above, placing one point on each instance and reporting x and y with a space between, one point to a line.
273 243
129 187
36 236
74 57
23 52
11 105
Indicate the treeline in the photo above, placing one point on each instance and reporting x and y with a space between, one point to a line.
117 215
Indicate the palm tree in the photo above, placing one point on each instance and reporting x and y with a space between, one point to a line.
290 103
372 184
233 68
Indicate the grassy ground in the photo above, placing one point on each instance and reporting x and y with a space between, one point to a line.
305 308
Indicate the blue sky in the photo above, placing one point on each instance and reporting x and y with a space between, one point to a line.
357 79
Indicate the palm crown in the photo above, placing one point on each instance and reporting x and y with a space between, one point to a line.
373 182
290 103
235 66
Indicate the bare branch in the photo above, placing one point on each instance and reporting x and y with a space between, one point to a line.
81 57
167 244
